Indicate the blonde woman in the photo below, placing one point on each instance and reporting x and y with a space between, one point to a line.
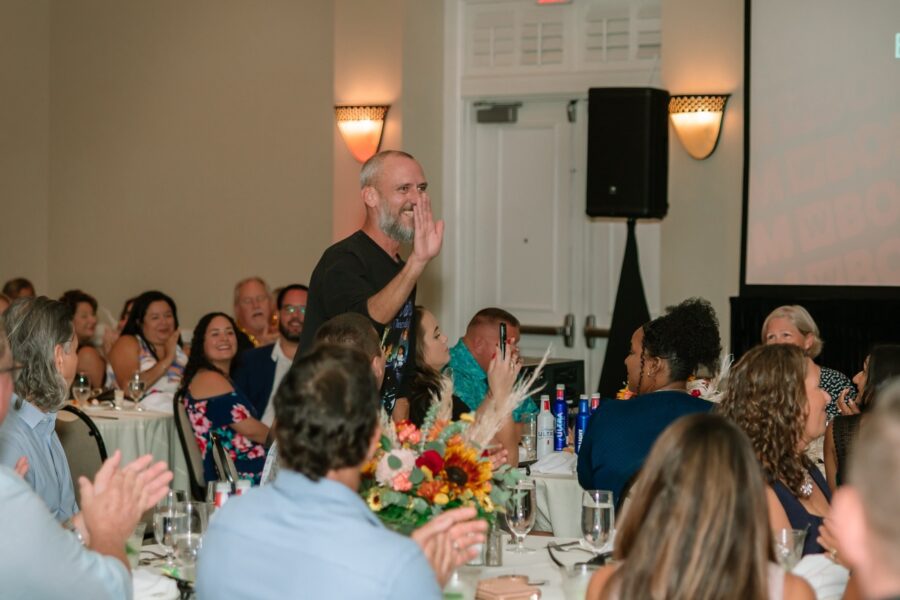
697 526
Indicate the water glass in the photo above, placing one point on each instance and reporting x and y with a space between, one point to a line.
164 522
597 518
134 544
136 390
189 527
520 514
81 389
529 435
789 547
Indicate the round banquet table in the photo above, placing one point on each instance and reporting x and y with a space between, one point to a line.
137 433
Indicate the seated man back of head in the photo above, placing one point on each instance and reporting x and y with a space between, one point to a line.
309 534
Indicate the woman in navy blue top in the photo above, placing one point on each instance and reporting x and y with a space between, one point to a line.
214 404
776 399
664 353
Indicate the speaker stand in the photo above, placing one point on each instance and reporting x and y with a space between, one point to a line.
630 312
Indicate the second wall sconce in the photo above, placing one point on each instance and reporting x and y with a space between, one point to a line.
362 128
698 122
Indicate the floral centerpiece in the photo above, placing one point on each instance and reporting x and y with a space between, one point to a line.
417 473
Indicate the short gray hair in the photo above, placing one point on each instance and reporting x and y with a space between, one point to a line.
35 326
804 323
245 281
371 169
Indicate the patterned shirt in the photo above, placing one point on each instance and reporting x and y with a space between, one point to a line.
217 414
470 382
835 382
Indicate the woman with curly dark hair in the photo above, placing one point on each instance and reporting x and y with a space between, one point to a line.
776 400
214 404
664 354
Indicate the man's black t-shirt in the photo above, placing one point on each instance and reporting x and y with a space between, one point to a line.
348 274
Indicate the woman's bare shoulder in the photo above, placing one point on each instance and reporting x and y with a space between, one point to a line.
206 384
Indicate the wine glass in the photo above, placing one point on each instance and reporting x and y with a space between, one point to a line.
789 547
81 388
164 522
136 390
520 514
190 524
597 518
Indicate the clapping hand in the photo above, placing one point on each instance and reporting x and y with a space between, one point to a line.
846 405
448 540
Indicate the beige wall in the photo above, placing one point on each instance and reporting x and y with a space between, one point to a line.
368 42
701 236
189 146
380 59
24 139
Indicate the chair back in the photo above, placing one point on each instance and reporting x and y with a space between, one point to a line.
82 443
191 450
224 464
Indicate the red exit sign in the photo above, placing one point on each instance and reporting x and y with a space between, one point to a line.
554 1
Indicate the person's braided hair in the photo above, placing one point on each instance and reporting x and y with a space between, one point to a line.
687 336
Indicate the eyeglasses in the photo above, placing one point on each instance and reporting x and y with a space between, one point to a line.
294 308
11 369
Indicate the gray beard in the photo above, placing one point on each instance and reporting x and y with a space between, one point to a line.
392 227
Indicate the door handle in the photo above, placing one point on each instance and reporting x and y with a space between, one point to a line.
567 331
592 332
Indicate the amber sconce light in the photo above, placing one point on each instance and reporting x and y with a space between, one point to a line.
698 122
362 128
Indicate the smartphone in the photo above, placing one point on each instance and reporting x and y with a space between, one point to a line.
503 341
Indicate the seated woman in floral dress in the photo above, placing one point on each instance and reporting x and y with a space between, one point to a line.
214 404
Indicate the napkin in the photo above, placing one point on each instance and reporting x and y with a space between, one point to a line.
148 584
158 401
557 463
828 578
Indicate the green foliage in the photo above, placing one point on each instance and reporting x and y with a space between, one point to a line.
394 462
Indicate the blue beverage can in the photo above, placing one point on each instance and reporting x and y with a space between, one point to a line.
581 421
560 419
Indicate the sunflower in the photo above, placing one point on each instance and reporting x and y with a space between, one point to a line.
464 471
374 500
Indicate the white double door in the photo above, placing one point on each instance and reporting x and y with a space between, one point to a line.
528 245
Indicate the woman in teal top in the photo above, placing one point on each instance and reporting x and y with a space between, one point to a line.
214 404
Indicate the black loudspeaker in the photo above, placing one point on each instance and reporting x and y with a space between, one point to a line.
628 153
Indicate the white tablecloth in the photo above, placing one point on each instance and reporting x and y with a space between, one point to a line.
138 433
559 504
538 567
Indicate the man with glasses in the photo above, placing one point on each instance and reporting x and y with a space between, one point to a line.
262 369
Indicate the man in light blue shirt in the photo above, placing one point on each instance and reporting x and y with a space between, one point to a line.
41 560
309 534
29 432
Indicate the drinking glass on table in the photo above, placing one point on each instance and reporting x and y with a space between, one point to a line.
136 390
520 514
190 524
529 434
164 521
81 389
597 518
789 547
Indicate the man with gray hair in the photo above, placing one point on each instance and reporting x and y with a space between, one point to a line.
253 313
365 274
38 558
864 516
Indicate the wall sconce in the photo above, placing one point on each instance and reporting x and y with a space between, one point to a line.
361 127
698 122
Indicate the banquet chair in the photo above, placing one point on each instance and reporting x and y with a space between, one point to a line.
83 444
224 464
191 450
